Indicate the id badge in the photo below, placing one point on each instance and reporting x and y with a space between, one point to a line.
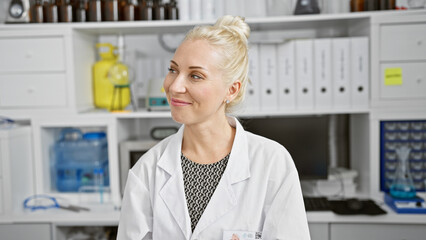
242 235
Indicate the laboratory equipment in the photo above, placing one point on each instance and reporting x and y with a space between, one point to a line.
409 205
43 202
106 71
18 11
393 135
76 158
306 7
402 186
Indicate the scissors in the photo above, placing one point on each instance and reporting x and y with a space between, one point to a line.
37 202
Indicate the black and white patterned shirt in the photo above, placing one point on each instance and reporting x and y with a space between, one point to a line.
200 182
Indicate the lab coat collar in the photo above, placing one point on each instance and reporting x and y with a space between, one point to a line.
223 199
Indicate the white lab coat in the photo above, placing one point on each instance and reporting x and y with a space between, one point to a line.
259 191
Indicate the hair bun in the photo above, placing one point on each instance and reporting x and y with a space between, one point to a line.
234 24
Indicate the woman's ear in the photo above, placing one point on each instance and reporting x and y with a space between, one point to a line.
233 90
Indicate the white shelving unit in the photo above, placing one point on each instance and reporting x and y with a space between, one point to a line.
69 103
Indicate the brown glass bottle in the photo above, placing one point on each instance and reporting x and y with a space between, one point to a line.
94 11
129 11
145 10
36 13
50 11
171 10
158 12
357 5
81 11
64 10
110 10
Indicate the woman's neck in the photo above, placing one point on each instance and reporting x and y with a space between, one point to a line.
208 142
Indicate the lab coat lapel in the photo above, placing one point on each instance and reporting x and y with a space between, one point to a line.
224 198
173 193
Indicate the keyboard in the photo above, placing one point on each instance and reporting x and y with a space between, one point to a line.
316 204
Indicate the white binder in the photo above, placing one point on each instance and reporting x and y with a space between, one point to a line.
268 77
322 74
252 96
359 72
341 72
304 74
286 76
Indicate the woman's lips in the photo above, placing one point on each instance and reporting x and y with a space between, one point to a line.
178 103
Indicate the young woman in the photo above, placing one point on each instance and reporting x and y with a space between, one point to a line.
212 179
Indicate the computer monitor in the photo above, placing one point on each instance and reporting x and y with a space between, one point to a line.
306 138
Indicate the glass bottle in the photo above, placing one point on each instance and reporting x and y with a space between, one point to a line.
158 12
403 186
65 10
171 10
145 10
50 11
357 5
94 11
129 11
81 11
110 10
37 12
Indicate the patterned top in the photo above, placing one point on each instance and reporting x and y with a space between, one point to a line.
200 182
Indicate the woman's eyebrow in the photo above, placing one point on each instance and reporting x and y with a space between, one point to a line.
174 63
196 67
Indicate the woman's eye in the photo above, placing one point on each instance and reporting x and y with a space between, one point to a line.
171 70
196 76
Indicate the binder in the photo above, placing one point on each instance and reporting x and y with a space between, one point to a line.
304 74
322 74
341 72
359 72
268 76
286 76
252 96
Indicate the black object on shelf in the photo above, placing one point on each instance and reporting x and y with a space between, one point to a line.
306 7
353 206
316 204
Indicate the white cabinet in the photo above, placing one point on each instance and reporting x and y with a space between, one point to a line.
38 72
398 61
403 41
32 53
33 90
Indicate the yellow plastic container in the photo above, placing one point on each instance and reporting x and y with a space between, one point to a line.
108 91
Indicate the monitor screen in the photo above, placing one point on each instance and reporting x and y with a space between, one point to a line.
306 138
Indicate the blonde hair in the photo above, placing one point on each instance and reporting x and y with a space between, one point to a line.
230 35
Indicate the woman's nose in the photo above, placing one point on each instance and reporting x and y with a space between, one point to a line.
178 85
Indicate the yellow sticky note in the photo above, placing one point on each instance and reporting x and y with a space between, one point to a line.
393 76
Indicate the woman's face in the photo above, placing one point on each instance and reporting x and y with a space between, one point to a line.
194 85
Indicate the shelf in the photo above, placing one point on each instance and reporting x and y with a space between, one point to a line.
177 26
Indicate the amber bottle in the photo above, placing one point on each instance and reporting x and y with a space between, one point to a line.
145 10
65 10
110 10
129 11
94 11
37 12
